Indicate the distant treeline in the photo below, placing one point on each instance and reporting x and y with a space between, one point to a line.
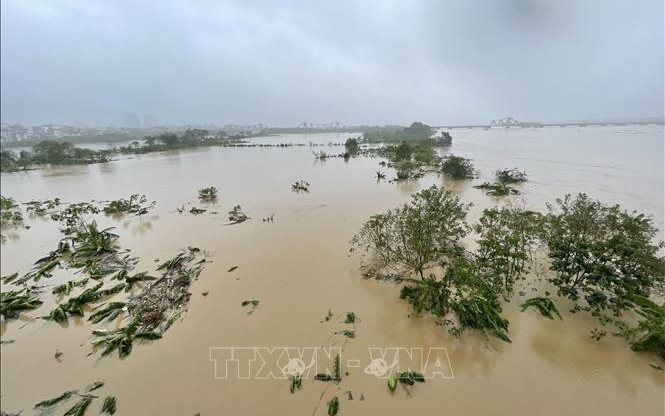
311 130
64 153
57 152
84 138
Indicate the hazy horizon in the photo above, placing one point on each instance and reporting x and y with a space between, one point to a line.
375 63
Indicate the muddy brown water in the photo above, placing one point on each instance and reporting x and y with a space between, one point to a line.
299 268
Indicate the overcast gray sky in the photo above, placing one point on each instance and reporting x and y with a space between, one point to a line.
371 62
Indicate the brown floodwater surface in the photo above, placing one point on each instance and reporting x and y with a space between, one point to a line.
299 268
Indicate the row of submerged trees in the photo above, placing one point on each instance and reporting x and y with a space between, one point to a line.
51 152
64 153
602 259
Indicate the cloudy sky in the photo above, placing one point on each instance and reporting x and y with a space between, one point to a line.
370 62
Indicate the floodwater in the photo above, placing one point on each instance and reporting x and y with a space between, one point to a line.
299 267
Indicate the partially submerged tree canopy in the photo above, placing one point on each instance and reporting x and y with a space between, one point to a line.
457 167
506 238
417 235
601 254
418 130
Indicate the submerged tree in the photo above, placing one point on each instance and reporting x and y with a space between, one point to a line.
497 189
507 237
351 146
10 214
602 255
208 194
417 130
649 334
445 139
506 176
457 167
415 236
465 298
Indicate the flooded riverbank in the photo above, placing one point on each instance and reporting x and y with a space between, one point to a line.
299 267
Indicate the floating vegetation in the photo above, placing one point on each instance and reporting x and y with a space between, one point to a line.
167 297
270 218
94 251
42 208
109 312
57 355
196 211
350 318
109 405
328 316
337 368
497 189
300 186
410 377
323 377
333 406
295 382
483 313
208 194
121 339
544 305
513 175
321 155
136 204
236 215
55 400
12 303
45 265
457 167
232 269
349 395
66 288
253 303
74 305
9 278
348 333
58 314
431 295
72 215
47 406
141 277
154 309
649 334
94 386
79 408
10 214
380 175
392 382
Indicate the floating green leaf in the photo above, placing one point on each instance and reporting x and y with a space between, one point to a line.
545 306
79 408
109 405
333 406
54 400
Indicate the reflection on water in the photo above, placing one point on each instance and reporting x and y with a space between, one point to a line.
298 267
